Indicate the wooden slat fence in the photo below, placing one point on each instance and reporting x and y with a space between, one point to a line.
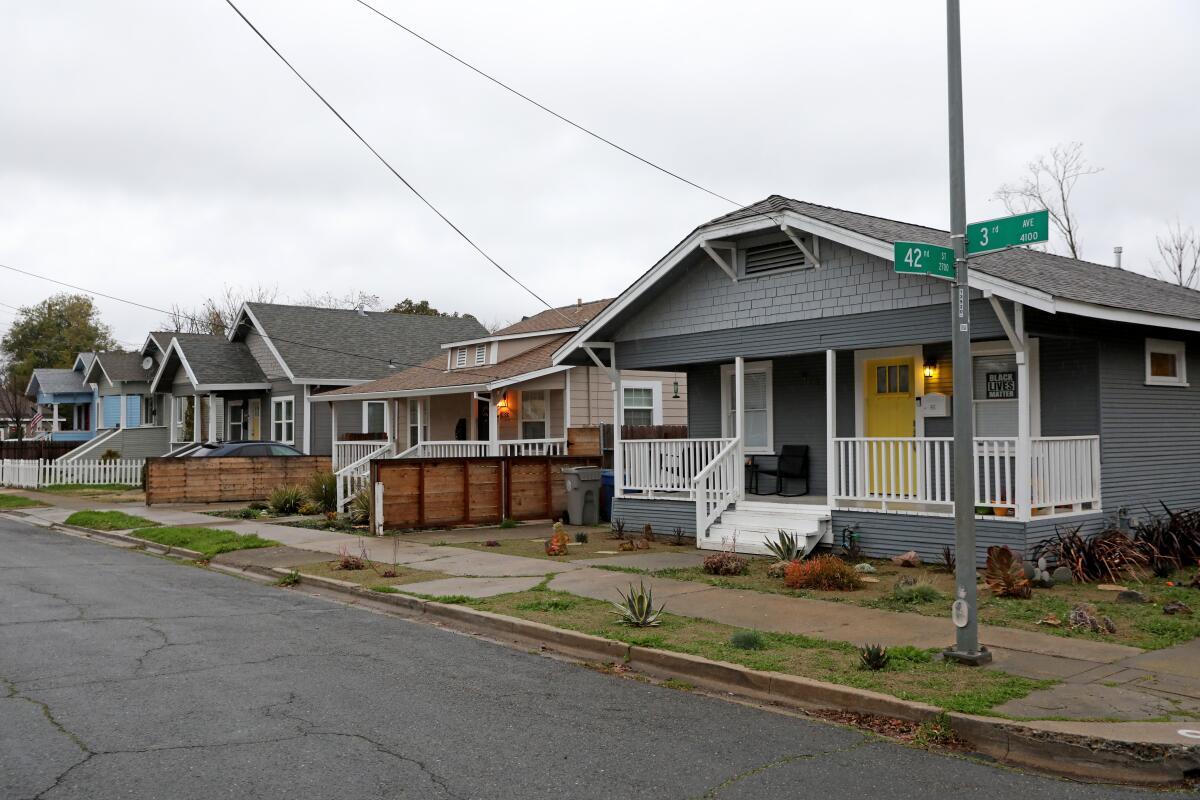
219 480
36 450
436 492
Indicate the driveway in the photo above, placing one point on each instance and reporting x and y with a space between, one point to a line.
130 676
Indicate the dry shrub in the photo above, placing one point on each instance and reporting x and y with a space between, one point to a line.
827 573
1004 574
1108 556
725 562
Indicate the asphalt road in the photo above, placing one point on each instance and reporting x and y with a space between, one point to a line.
128 676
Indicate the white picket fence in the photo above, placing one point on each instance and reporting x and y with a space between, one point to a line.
36 473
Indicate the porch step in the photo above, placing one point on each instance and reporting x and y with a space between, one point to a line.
747 527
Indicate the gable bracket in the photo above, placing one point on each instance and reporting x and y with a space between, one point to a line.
796 240
1016 333
591 347
710 248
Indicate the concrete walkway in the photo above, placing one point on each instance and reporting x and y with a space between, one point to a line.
1099 680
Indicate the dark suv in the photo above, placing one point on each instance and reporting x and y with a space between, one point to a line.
244 450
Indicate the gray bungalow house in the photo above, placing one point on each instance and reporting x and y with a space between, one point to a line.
795 330
130 419
258 382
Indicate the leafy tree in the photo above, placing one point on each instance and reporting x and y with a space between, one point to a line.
409 306
52 333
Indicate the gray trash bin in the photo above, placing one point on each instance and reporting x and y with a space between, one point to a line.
583 495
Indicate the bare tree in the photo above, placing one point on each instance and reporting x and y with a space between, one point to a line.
1049 184
217 314
15 408
1179 251
356 299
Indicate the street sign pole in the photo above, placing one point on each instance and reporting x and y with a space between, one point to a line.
966 648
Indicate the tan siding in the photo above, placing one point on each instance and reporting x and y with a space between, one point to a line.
592 397
513 347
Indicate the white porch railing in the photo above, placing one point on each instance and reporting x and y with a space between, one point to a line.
718 485
667 466
917 472
36 473
355 476
345 453
1065 471
474 449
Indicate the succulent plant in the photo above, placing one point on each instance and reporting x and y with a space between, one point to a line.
785 548
637 607
873 657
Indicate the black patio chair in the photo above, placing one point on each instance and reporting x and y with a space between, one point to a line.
788 465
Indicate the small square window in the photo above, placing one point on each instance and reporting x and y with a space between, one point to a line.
1166 363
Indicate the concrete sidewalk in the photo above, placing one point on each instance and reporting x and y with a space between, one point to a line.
1099 680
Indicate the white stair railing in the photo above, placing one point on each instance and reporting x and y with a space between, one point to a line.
347 452
354 477
718 485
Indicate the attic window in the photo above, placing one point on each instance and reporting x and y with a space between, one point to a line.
480 354
1166 363
771 257
460 357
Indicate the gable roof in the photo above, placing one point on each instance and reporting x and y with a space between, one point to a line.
554 319
433 375
49 380
118 365
210 361
1042 280
340 345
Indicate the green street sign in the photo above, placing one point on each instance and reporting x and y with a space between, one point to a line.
919 258
997 234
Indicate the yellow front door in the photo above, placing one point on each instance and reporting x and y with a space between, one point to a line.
891 413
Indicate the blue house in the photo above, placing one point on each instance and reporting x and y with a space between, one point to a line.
799 337
66 401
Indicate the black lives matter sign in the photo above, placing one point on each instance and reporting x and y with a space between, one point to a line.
1001 385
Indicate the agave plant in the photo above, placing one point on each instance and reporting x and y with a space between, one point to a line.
786 547
873 657
1004 574
637 607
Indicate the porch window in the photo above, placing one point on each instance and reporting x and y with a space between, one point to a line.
996 394
1166 363
283 416
375 416
237 421
758 435
642 403
533 415
418 421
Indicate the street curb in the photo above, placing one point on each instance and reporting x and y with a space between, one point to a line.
141 544
1092 759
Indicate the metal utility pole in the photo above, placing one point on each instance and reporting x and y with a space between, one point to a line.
966 648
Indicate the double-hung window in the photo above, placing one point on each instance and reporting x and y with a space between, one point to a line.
283 419
534 413
1166 363
418 421
758 434
374 417
642 403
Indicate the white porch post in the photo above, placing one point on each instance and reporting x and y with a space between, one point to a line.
307 399
831 454
196 417
567 401
124 409
739 421
618 419
1024 471
212 417
493 426
333 435
54 425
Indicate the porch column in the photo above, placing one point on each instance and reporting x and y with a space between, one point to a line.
567 401
493 426
831 453
124 408
739 420
54 426
212 417
618 419
1024 471
333 435
196 417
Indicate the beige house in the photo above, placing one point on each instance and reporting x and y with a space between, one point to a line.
498 394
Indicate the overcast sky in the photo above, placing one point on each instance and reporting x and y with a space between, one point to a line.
157 150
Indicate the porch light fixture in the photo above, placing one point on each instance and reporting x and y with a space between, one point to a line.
503 407
675 390
930 369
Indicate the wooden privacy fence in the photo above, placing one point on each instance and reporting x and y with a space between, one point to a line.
436 492
35 449
35 473
218 480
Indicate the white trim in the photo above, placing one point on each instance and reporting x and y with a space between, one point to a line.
231 387
365 416
528 376
307 449
88 372
545 418
233 329
275 403
508 336
332 381
1172 347
230 405
916 352
328 397
1147 318
183 362
656 409
1034 298
767 367
830 422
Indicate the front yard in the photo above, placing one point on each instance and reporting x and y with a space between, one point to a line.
598 545
17 501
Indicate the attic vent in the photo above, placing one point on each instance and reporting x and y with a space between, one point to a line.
770 257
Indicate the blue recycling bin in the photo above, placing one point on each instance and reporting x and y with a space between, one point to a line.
606 494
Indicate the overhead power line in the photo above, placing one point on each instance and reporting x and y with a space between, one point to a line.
389 166
391 362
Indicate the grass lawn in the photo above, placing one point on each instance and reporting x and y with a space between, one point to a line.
599 545
108 492
1143 626
109 520
371 576
912 675
209 541
16 501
